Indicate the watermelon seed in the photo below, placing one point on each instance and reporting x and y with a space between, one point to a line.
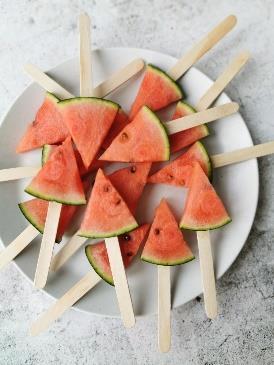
124 137
118 201
126 237
170 177
133 169
129 253
156 231
106 188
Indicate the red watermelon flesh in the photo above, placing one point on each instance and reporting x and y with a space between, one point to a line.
130 182
47 128
142 140
59 178
88 121
185 138
178 172
107 214
157 91
129 245
35 211
204 209
120 121
165 244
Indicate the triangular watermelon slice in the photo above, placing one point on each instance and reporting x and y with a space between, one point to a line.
129 245
185 138
47 128
157 91
178 172
35 211
143 140
88 121
165 244
130 182
95 165
107 214
204 209
59 178
120 121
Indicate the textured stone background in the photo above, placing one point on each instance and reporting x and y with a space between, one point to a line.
44 33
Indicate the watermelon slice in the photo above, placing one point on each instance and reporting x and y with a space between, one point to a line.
59 178
130 183
95 165
142 140
185 138
165 244
88 121
157 91
35 211
120 121
204 209
47 128
178 172
129 245
107 214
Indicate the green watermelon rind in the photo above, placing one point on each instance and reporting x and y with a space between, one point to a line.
154 118
154 261
52 97
78 100
207 159
207 228
45 153
37 194
96 268
32 220
177 88
109 234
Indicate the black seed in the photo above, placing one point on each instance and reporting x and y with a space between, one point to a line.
118 201
106 188
124 137
198 299
170 177
133 169
126 237
129 254
156 231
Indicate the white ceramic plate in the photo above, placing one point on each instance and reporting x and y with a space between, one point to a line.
237 185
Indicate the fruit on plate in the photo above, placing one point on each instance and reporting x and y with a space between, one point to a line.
185 138
107 214
88 121
204 209
47 128
59 179
129 245
165 244
35 211
178 172
95 165
120 121
157 91
142 140
130 182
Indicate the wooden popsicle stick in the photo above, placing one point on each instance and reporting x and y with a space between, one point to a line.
164 308
67 251
86 85
243 154
198 50
120 281
207 271
202 117
17 245
222 81
16 173
47 244
65 302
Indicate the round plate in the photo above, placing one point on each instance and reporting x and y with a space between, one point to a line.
236 184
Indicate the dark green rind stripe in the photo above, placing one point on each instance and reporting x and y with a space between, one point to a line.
80 99
91 260
167 263
206 228
207 158
37 194
107 234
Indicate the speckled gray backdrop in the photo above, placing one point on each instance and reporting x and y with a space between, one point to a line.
44 32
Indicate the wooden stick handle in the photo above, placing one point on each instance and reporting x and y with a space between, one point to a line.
65 302
205 116
164 307
47 244
17 245
119 78
243 154
17 173
86 87
120 281
207 272
196 52
223 80
66 252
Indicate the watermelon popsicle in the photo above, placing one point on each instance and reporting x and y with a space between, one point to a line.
165 247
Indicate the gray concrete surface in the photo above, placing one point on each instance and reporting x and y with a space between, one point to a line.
44 32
